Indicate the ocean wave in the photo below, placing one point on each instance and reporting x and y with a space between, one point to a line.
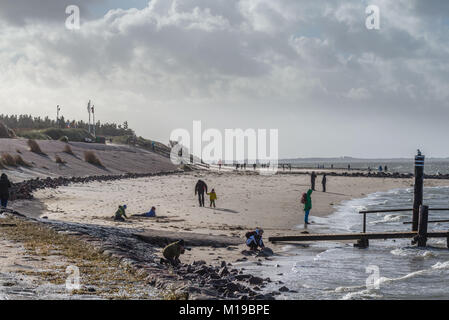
413 252
441 265
364 294
361 291
388 218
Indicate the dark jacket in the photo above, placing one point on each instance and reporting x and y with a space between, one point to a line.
173 250
200 187
5 184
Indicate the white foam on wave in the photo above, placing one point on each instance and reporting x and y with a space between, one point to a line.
441 265
388 218
413 252
364 294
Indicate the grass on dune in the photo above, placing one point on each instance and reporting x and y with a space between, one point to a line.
104 273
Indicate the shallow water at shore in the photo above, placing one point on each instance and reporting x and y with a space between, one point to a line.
393 268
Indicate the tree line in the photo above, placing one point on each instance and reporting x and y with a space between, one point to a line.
28 122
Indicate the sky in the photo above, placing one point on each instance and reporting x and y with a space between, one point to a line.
311 69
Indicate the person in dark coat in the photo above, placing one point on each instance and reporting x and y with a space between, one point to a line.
172 252
312 180
200 189
323 182
5 185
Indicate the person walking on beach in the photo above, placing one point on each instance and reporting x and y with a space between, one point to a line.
307 200
5 185
212 197
323 182
120 214
200 188
312 180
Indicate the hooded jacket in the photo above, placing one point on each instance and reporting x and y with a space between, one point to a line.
308 204
173 250
212 196
256 237
120 212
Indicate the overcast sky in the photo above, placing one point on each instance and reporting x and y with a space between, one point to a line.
308 68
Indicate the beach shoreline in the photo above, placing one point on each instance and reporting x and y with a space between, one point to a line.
245 201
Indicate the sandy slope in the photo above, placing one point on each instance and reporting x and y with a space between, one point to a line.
117 159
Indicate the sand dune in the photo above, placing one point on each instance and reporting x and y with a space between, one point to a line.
117 159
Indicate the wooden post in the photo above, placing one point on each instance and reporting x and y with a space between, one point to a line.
364 223
422 228
418 194
362 243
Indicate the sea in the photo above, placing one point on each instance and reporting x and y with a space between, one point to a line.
387 269
433 166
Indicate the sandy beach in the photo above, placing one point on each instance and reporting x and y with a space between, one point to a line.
245 201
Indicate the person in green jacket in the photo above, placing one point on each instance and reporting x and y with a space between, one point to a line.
120 214
173 251
307 206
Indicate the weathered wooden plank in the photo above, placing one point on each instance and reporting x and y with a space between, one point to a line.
356 236
384 210
344 236
432 221
399 210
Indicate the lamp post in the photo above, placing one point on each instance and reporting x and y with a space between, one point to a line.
418 189
57 115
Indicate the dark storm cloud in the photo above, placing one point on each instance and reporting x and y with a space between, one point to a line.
306 59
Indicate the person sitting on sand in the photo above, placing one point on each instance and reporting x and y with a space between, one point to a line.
212 197
5 185
120 214
254 239
149 214
307 206
173 251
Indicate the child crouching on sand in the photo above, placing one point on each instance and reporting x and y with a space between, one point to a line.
212 197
